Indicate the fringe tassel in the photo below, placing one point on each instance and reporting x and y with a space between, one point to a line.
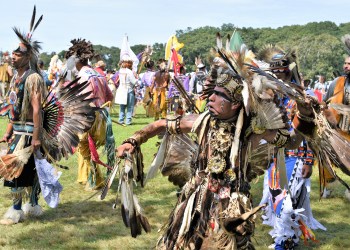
235 144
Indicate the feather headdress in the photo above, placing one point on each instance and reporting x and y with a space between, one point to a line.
81 49
280 61
27 45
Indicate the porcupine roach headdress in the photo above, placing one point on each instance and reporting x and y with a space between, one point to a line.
27 45
81 49
280 61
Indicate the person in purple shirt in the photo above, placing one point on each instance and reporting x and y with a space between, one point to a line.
146 81
174 95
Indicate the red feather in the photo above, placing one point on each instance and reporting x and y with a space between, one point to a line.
94 154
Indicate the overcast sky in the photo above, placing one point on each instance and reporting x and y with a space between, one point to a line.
146 22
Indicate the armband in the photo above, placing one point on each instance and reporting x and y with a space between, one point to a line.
303 125
309 158
173 125
304 117
136 139
281 138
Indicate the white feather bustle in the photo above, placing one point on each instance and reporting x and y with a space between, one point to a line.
30 210
12 216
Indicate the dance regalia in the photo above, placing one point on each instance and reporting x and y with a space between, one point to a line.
289 207
16 108
174 96
98 133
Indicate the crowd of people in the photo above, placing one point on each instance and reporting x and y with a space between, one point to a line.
247 119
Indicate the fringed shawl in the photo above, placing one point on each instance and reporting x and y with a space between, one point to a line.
34 85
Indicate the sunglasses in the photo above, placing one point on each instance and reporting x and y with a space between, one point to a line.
280 70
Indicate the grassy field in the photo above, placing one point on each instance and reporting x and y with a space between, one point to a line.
82 223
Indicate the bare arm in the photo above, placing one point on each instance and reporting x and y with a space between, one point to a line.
152 84
10 71
152 130
8 133
37 118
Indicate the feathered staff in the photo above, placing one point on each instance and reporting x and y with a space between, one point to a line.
184 94
145 57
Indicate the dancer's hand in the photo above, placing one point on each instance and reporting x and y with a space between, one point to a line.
36 144
306 171
122 149
305 108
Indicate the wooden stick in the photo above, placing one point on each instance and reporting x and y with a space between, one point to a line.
121 124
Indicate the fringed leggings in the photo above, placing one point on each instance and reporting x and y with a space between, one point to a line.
30 194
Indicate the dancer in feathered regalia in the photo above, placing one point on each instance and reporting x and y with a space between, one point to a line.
214 209
158 89
289 211
89 173
40 124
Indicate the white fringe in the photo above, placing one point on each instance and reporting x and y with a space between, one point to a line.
14 215
30 210
235 144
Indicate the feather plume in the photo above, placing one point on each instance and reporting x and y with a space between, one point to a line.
227 46
37 23
139 213
32 20
177 163
158 160
218 41
109 180
341 108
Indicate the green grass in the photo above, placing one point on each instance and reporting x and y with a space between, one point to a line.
79 223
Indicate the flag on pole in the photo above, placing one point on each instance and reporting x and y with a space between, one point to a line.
125 50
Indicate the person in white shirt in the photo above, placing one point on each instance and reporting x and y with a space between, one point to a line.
125 95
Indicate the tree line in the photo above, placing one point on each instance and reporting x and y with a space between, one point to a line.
318 45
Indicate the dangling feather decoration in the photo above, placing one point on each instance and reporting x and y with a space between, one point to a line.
158 160
109 180
179 159
131 210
